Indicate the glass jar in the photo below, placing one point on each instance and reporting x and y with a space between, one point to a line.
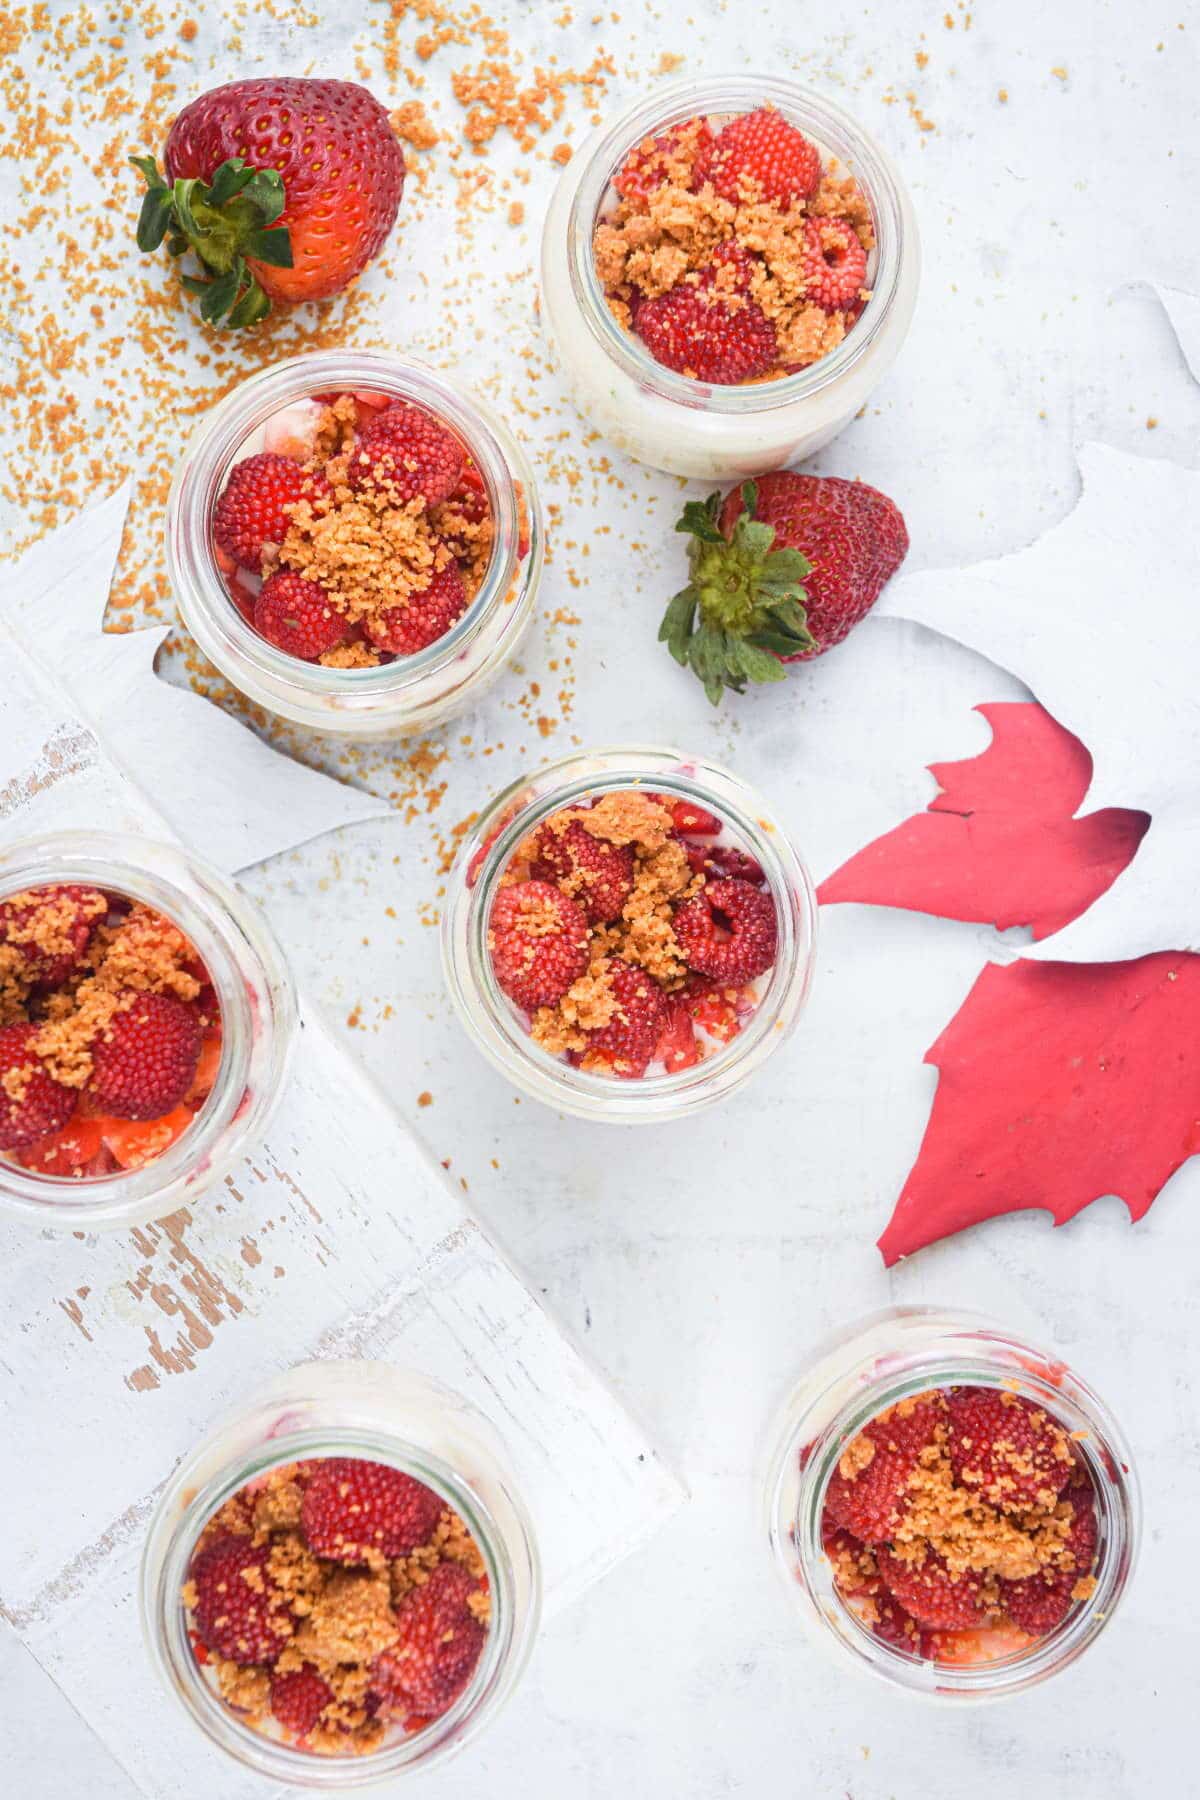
384 1414
494 1023
870 1366
413 692
692 427
258 1020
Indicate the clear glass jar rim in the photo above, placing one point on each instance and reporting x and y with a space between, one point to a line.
164 1612
196 578
117 861
660 768
717 94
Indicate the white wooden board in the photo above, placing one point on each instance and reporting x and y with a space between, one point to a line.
339 1237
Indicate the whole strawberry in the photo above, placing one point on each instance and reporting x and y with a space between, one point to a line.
781 570
284 188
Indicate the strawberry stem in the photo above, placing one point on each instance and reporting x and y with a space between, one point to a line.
743 608
225 223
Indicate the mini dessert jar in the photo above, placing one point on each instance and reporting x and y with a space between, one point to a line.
691 427
254 990
385 1415
876 1363
496 1025
414 692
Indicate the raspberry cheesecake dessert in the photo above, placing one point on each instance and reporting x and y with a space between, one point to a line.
727 272
957 1511
733 249
961 1525
335 1601
340 1583
146 1024
110 1038
625 945
360 532
354 542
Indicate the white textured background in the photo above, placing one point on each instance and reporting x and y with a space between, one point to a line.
700 1262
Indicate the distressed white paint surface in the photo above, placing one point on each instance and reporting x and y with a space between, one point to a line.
338 1236
701 1262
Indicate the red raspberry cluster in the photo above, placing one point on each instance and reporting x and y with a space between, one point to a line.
961 1524
318 1557
116 1042
400 453
718 322
566 948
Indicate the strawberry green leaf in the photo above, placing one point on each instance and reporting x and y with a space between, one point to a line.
230 179
253 306
154 218
220 295
676 627
744 606
700 518
222 223
274 247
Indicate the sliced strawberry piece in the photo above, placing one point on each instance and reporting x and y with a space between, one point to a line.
677 1047
240 1611
65 1152
693 821
135 1142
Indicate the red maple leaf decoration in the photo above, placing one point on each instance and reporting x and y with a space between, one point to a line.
1058 1082
1001 845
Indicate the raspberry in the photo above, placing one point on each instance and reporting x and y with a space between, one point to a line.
539 942
354 1510
870 1501
1005 1449
930 1592
255 508
699 335
408 451
835 264
299 1698
726 859
52 927
424 617
145 1061
239 1610
296 615
760 156
632 1035
597 874
727 930
438 1648
32 1103
702 330
1040 1602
